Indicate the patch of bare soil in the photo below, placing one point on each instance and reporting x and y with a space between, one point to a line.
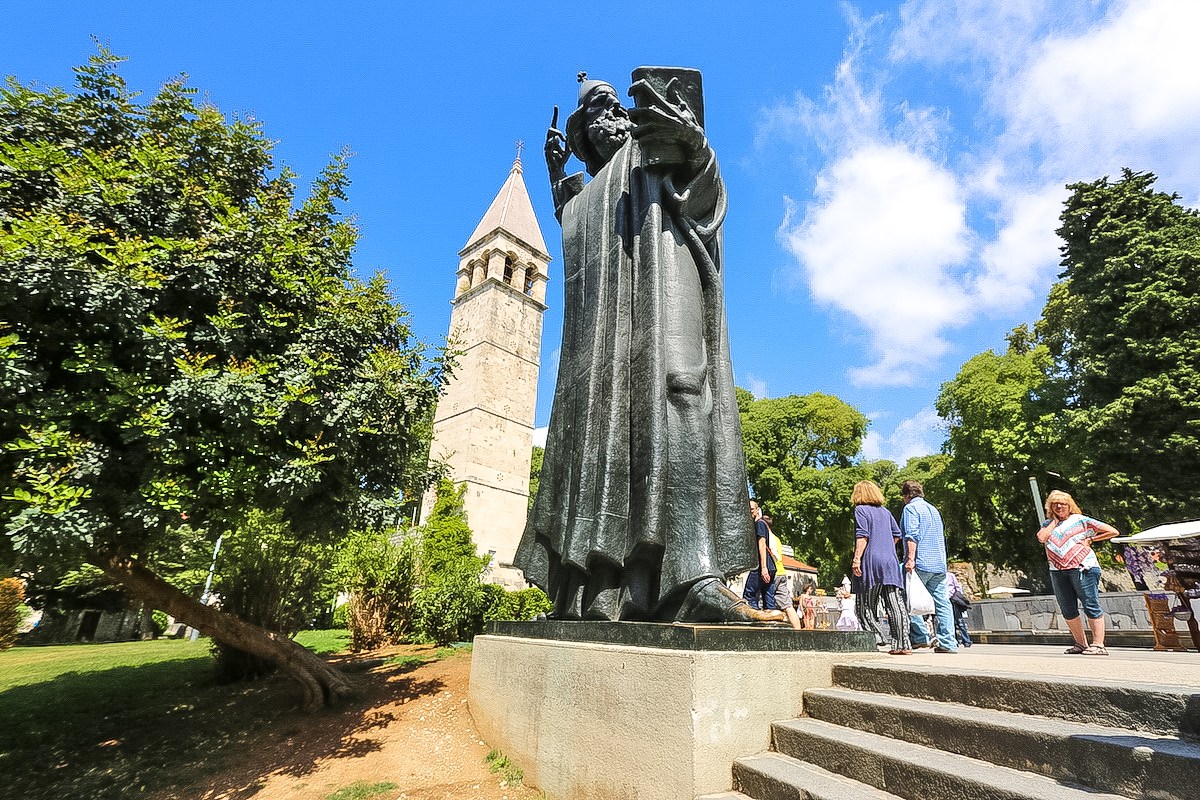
411 727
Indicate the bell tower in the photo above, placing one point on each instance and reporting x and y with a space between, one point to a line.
483 426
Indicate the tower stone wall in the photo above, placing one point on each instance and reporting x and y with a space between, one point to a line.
483 426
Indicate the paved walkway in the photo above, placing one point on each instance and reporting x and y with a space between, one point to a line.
1136 665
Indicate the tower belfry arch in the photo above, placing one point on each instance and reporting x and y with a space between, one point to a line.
483 425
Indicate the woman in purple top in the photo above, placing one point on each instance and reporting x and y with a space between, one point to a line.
875 564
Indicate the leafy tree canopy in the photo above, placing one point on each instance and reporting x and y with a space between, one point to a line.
801 453
181 336
447 539
1004 413
1125 325
535 473
1102 398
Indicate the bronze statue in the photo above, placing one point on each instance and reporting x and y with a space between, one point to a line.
642 504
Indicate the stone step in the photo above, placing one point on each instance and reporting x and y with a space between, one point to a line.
913 771
1106 758
723 796
1147 707
1112 638
774 776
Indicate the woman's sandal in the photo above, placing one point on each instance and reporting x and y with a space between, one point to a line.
1095 650
1075 650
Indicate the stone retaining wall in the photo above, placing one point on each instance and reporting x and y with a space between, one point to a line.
1123 611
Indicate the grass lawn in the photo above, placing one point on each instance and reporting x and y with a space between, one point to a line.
113 720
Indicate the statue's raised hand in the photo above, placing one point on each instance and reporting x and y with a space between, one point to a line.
557 151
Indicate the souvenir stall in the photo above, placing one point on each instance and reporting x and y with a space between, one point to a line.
1166 560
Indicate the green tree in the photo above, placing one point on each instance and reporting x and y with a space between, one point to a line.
451 601
447 537
930 471
1004 414
801 453
535 473
1125 326
182 338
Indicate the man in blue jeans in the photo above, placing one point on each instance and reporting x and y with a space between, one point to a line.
925 552
757 591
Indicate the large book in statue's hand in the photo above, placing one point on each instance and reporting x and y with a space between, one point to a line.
654 86
688 82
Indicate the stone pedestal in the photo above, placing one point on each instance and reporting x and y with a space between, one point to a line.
662 718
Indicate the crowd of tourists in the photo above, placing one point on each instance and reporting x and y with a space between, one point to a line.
914 601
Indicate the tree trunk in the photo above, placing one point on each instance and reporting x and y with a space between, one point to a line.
322 684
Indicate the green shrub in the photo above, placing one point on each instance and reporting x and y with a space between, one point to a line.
531 602
451 602
160 620
270 579
341 617
379 570
449 605
447 538
500 604
12 593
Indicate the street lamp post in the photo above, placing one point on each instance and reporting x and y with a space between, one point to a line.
195 634
1038 508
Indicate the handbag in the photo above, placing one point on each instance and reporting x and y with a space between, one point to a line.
959 599
920 601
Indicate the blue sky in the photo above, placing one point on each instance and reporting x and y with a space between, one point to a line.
895 170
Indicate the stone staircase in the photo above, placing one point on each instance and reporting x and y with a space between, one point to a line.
938 733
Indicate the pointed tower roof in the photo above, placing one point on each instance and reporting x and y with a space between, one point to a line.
511 211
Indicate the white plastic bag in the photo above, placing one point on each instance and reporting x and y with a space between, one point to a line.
920 601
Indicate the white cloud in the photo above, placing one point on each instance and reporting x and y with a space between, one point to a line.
539 436
1024 252
920 435
872 446
991 36
756 386
917 226
1109 91
1076 88
878 242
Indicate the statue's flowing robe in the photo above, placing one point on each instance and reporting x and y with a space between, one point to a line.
643 485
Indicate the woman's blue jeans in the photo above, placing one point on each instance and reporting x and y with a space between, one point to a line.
1072 586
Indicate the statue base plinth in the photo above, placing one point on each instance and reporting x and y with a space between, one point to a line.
643 710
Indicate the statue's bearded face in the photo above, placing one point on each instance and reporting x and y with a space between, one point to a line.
608 122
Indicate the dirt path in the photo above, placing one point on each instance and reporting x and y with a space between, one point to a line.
412 729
